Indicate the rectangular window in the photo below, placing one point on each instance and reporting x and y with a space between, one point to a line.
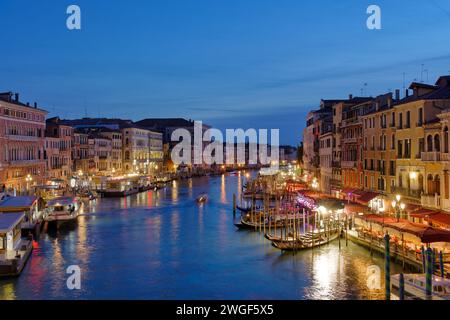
420 117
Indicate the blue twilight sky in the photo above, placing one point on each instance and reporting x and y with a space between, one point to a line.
230 63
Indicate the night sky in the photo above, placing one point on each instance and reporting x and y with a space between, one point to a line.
230 63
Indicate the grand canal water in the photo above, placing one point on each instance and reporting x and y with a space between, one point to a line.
163 245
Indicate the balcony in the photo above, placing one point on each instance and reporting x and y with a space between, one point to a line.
26 162
22 138
336 183
348 164
408 192
336 164
431 156
431 201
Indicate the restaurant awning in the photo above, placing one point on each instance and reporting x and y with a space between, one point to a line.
425 233
440 218
422 213
356 208
366 197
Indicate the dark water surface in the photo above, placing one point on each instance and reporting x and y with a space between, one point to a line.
163 245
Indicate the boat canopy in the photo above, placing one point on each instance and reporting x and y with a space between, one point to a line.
17 204
9 221
62 201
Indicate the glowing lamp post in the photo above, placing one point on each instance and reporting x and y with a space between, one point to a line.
398 207
315 184
28 179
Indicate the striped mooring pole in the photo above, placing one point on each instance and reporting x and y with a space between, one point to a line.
434 259
424 265
387 266
441 264
401 287
429 273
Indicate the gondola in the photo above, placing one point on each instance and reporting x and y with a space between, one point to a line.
243 209
307 241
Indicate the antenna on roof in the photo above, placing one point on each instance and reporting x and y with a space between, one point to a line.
421 73
85 109
404 81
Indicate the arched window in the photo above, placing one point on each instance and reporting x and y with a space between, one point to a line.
437 143
437 184
430 185
429 143
446 140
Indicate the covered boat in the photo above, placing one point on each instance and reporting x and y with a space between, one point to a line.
62 211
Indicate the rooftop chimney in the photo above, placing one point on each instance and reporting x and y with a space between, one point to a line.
35 105
407 93
389 101
16 97
350 97
397 94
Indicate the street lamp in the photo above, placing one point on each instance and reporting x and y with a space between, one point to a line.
28 179
398 207
315 184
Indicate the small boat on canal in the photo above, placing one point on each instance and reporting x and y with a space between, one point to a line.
415 287
63 211
202 198
118 187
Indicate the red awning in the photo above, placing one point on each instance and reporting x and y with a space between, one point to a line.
422 213
356 208
440 218
359 192
426 233
411 207
379 218
366 197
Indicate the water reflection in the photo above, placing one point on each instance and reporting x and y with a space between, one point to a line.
163 245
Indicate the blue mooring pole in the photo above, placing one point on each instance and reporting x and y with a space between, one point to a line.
387 266
424 264
429 273
401 287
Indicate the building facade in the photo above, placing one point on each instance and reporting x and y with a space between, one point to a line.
59 162
22 143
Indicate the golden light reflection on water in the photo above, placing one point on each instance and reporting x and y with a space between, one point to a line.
324 275
125 202
82 249
190 189
175 191
7 292
223 190
200 218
